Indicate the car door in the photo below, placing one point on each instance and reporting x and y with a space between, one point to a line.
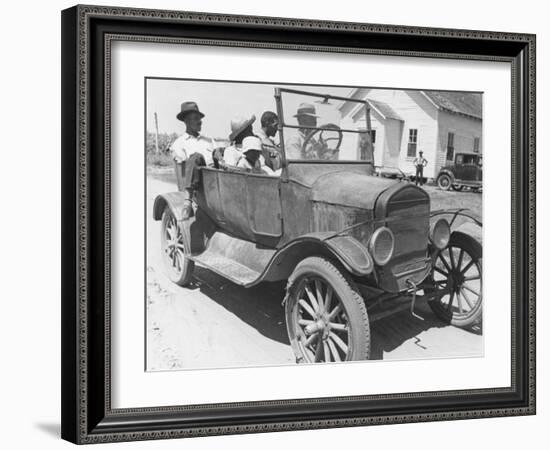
458 169
224 199
244 204
233 198
469 170
264 206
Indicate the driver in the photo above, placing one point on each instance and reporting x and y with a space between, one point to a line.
315 148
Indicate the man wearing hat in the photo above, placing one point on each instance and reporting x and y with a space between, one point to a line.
420 162
191 141
190 151
307 117
241 127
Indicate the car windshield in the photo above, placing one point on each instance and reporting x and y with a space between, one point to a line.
318 126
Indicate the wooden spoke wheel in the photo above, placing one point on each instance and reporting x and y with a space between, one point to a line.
175 249
457 282
326 316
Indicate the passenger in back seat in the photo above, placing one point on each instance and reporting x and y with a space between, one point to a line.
251 160
241 127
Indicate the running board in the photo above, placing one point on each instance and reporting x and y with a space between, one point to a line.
240 261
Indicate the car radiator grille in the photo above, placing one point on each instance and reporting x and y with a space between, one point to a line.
406 214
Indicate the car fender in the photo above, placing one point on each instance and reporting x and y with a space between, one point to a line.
351 253
447 172
461 220
174 200
348 251
471 231
199 228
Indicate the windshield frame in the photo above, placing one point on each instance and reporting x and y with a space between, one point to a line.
279 91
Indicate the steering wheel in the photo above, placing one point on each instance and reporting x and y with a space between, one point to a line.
321 148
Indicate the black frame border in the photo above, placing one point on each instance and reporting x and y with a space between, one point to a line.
87 33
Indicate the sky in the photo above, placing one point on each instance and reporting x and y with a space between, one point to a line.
221 101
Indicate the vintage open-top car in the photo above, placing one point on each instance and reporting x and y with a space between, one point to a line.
466 171
352 246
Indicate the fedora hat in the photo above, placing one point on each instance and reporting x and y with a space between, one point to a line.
306 109
252 143
187 107
239 124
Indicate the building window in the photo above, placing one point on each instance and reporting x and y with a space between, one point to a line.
450 146
373 136
413 139
476 145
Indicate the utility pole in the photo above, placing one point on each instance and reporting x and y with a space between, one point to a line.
156 133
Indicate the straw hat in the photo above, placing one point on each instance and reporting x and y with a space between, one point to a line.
239 124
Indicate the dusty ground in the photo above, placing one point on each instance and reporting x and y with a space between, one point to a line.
215 323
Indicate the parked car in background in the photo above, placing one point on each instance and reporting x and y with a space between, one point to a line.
466 171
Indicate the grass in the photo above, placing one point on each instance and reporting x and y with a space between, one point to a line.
162 159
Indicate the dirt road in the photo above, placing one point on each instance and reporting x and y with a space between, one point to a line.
215 323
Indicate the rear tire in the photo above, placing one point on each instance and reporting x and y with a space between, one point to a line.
326 316
457 187
175 248
444 182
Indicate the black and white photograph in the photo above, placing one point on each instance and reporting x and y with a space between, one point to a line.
295 224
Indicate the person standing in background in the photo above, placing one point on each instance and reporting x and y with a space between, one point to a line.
419 163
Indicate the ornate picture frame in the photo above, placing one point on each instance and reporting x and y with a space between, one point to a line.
88 33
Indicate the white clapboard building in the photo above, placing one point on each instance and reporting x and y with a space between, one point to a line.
405 122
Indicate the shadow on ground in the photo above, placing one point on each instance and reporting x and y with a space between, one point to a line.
261 308
390 332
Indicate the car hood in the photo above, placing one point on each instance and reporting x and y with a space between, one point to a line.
350 189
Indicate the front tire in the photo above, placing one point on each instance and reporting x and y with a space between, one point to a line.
457 282
444 182
175 248
326 317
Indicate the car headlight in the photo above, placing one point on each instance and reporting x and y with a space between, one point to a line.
440 233
381 245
